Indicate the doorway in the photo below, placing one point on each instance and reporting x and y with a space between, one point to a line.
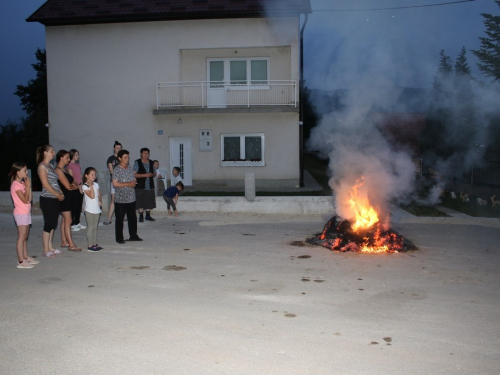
216 90
180 156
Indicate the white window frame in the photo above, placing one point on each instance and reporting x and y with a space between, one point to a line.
248 163
248 85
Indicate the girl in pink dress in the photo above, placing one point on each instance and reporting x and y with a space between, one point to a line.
20 191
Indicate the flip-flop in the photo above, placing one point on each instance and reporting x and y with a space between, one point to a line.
64 245
76 248
57 251
50 254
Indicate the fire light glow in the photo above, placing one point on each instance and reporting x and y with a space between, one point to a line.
362 232
365 215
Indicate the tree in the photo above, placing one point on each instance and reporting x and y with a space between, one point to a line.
434 141
34 101
11 137
451 129
463 102
31 133
462 68
442 86
310 115
489 52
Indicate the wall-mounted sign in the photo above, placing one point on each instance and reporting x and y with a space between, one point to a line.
160 132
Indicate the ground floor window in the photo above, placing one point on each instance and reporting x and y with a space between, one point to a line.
243 150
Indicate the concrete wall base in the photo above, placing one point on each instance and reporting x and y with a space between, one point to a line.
261 205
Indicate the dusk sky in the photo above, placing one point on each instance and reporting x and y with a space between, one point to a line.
341 47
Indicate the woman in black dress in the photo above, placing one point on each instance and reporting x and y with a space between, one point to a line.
69 188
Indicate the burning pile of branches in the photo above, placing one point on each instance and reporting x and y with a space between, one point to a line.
339 235
363 232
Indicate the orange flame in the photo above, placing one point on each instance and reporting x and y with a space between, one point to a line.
365 215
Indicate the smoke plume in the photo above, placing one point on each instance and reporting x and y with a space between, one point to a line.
359 153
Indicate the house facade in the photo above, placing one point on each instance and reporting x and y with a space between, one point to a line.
209 86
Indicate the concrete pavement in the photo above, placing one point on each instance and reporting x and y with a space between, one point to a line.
227 293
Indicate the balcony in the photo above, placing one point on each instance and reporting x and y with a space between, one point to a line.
222 96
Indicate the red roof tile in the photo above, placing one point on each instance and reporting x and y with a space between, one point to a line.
70 12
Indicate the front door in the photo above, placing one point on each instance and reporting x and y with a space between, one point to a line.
216 90
180 156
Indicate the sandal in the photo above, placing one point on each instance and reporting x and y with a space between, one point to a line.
76 248
65 245
57 251
50 254
106 223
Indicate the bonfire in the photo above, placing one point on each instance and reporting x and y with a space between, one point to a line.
364 232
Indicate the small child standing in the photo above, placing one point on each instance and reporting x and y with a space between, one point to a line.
93 203
20 191
159 178
156 167
176 176
171 195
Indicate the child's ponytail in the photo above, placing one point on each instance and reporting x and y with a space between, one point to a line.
40 151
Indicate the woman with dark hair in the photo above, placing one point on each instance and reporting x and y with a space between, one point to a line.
68 187
111 164
145 189
49 198
124 183
75 171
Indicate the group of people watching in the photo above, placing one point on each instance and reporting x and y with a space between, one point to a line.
63 191
133 188
64 188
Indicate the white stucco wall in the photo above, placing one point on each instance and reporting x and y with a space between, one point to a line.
281 134
194 62
101 87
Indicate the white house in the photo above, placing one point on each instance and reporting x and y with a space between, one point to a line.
211 86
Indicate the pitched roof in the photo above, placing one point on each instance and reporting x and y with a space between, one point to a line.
402 130
74 12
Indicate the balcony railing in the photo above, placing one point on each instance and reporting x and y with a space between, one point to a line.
221 94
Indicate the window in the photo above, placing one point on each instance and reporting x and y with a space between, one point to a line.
239 72
258 72
243 150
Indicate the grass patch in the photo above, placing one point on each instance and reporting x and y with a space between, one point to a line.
420 210
318 168
258 194
212 194
471 207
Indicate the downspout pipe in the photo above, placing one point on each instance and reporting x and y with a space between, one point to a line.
301 105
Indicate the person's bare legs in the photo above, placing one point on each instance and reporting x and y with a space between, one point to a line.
64 240
51 239
111 208
66 227
47 241
22 243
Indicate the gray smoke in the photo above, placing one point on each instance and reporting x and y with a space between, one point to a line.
359 152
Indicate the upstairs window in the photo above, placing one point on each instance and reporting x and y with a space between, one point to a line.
253 71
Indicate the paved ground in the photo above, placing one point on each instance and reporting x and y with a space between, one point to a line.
228 294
